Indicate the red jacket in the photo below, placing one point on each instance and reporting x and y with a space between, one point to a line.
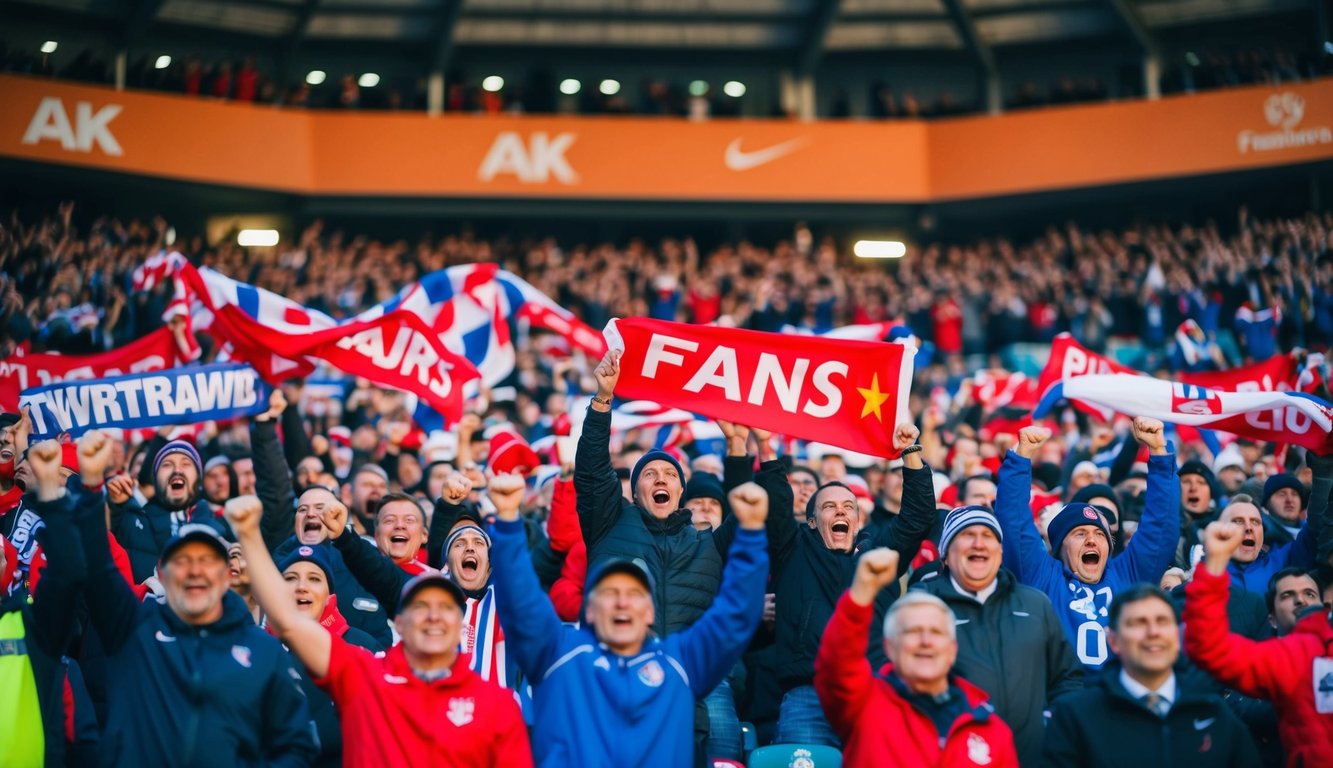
562 526
878 727
391 718
1281 670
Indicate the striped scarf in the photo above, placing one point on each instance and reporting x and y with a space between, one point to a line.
483 640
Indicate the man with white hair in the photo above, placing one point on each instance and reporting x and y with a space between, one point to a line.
915 712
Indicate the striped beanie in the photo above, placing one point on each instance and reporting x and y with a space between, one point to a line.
964 517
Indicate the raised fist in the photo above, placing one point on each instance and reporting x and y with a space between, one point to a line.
44 460
456 488
119 489
94 455
1030 440
334 518
737 436
607 373
905 435
277 403
319 444
1151 433
506 493
469 425
1222 538
243 513
749 503
875 570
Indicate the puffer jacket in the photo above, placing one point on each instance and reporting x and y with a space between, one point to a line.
684 562
1295 672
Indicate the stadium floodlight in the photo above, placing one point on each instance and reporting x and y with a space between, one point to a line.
368 80
569 86
257 238
879 249
315 77
162 62
609 87
734 88
50 46
698 88
492 83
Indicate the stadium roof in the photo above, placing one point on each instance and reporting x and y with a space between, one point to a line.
792 33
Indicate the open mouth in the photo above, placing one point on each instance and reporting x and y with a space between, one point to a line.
1248 542
304 602
841 526
978 559
6 455
621 621
398 538
1192 501
176 483
311 526
1091 558
661 497
469 566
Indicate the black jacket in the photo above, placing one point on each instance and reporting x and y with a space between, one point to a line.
808 577
1103 725
225 694
684 562
1014 648
144 531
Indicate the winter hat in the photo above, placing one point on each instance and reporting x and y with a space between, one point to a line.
704 486
1087 493
510 453
308 554
965 517
459 530
178 446
1284 480
1086 467
858 486
1196 467
1072 516
1047 475
653 455
216 461
1229 457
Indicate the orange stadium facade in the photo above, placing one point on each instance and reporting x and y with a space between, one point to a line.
626 158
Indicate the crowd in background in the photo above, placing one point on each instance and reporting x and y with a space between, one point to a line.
1115 505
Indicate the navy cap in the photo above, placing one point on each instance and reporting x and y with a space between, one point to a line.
431 579
189 532
634 568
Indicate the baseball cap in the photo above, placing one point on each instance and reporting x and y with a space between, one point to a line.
431 579
205 534
634 568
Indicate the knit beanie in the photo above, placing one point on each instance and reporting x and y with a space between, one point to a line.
965 517
1071 517
653 455
178 446
309 554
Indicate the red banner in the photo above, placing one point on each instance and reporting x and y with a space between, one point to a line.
1069 360
1276 374
850 394
154 352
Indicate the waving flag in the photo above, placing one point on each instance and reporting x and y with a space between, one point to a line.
1281 417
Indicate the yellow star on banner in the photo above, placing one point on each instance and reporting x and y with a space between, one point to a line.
874 399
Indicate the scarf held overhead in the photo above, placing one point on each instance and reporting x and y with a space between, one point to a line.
1281 417
216 392
850 394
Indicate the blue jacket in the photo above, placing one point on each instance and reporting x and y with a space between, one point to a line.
225 694
597 709
1253 577
1083 608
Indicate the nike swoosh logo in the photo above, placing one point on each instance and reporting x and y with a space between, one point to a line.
1199 725
739 160
162 638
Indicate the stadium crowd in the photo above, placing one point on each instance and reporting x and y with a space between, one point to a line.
327 583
